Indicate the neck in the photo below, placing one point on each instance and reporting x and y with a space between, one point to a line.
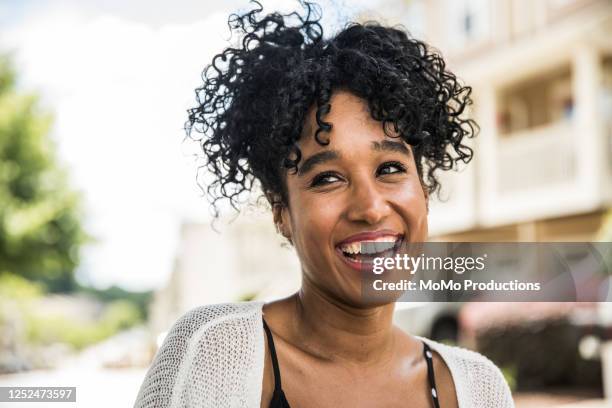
334 331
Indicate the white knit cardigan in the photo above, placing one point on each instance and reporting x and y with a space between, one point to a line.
213 357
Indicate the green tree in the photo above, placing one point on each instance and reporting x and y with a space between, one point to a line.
40 229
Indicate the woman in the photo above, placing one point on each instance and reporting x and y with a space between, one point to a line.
344 136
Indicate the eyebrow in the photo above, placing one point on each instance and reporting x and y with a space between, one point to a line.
391 146
317 158
328 155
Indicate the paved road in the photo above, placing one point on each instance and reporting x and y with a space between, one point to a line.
96 387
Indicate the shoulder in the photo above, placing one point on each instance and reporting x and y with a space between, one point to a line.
207 318
478 381
203 346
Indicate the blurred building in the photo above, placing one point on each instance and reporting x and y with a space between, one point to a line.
541 73
244 260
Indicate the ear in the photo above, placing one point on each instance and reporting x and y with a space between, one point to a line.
282 220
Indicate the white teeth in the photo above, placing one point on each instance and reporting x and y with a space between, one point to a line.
373 246
368 248
352 248
384 239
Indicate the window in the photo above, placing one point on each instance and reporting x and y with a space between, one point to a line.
536 102
469 22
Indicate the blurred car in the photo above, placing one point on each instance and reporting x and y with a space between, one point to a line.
435 320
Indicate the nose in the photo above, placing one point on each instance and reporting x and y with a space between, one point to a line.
366 203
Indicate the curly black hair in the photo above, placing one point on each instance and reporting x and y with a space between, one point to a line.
255 97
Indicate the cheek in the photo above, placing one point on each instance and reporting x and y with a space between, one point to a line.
315 228
411 204
313 221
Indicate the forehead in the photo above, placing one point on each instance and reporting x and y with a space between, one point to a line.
351 123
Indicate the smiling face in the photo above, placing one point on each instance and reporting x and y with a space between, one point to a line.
362 186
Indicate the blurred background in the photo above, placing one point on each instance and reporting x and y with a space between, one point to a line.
106 239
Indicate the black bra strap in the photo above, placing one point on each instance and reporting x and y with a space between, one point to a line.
277 378
426 352
430 374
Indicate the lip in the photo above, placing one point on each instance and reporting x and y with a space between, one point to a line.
368 236
353 264
364 266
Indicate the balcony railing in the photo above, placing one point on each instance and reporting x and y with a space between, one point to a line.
537 158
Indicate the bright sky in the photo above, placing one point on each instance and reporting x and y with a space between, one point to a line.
119 76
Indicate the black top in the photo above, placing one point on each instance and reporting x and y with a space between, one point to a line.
280 401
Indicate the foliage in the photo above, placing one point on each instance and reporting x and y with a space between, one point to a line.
40 229
118 315
41 234
140 299
18 288
18 302
509 373
539 353
247 297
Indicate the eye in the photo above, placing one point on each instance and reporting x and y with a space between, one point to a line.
390 168
324 179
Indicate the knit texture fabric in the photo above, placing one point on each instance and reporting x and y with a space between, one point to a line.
213 357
